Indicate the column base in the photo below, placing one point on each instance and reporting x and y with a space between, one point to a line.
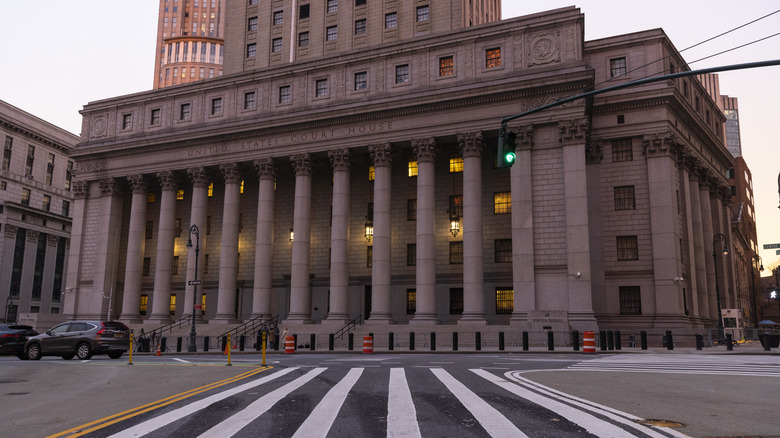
336 320
424 319
474 319
380 321
224 320
158 319
131 319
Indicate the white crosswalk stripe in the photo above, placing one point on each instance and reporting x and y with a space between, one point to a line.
321 419
401 415
666 364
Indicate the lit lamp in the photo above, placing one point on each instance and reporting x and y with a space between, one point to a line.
369 229
454 224
292 234
719 238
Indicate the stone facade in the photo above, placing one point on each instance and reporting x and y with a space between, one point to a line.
603 221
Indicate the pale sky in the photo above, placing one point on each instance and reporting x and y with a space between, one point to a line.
58 55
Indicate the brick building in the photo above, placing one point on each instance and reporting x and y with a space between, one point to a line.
356 175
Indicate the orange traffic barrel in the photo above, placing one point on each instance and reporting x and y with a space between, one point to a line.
289 344
368 344
588 343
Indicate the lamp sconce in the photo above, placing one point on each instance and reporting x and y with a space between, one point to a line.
369 229
292 235
678 279
578 274
454 224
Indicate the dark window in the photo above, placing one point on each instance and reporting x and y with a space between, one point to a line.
285 96
617 67
252 25
456 253
360 2
147 266
627 248
276 45
155 117
411 254
184 112
391 20
360 27
303 12
149 229
369 256
503 251
624 198
332 5
321 88
127 121
303 39
251 50
175 267
40 261
402 74
505 301
630 300
66 208
9 142
456 301
278 18
249 100
622 150
216 106
411 210
331 33
361 80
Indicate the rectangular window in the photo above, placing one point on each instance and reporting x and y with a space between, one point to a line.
68 175
46 203
285 96
184 111
142 305
446 66
149 229
371 173
332 5
321 88
127 121
617 67
252 25
456 253
50 169
456 206
411 210
303 39
456 301
180 194
493 57
151 198
361 80
391 20
630 300
622 150
456 163
413 169
303 12
205 265
66 208
505 301
624 198
25 196
208 225
503 251
423 13
411 254
360 27
502 203
30 161
172 306
216 106
249 100
276 45
411 301
147 268
278 18
369 256
331 33
402 74
627 248
155 117
360 2
251 50
9 142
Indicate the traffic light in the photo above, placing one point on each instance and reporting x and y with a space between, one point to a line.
506 148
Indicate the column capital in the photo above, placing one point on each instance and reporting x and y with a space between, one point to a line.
380 154
471 144
167 180
80 189
199 176
339 159
10 230
32 236
302 164
230 173
137 183
110 187
573 131
52 240
265 168
525 136
424 149
660 144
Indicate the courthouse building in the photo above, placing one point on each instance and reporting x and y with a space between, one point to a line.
345 165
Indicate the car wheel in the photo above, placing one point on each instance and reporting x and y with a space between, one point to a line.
34 352
115 354
68 356
83 351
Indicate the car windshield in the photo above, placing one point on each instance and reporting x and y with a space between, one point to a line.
113 325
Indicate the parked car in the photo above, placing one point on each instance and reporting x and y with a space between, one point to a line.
13 337
81 339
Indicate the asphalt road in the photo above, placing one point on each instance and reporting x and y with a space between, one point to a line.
708 396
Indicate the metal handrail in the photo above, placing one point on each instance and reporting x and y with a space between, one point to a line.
350 325
251 326
157 332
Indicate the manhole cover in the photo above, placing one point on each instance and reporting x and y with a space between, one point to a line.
660 423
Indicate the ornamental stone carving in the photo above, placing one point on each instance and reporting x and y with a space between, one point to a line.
266 169
52 240
573 131
594 152
32 236
199 176
471 144
10 230
109 187
80 189
230 173
544 48
524 137
380 154
663 143
167 180
137 183
339 160
302 164
424 149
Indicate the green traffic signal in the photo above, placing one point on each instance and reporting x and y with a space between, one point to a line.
509 158
506 148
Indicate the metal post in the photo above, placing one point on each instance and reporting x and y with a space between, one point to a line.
575 340
643 339
603 340
390 341
699 341
729 342
550 340
194 230
718 238
669 340
312 341
433 341
525 341
500 341
411 341
478 340
331 341
617 340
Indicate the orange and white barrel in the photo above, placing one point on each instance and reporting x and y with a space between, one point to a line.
368 344
289 344
588 343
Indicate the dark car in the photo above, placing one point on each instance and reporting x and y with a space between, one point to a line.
13 337
81 339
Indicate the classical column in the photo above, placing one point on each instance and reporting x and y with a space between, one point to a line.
198 213
523 263
471 145
228 253
339 238
163 266
708 234
300 287
261 294
701 257
136 242
380 271
425 152
688 252
75 254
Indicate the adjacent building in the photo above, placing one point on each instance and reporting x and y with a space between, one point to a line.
35 215
349 170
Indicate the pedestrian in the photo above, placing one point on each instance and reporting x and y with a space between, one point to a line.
285 333
271 339
276 335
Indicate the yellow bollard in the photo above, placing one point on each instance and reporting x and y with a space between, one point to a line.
263 347
131 350
228 350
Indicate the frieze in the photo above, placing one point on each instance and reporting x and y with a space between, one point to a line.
91 166
471 144
524 137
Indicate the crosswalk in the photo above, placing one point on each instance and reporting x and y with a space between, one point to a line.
761 366
393 402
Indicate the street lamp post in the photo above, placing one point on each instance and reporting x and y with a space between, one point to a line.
719 238
194 230
756 259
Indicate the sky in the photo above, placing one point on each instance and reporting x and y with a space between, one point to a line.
60 55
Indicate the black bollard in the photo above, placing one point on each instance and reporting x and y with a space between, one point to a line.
390 341
224 343
643 339
295 342
163 344
331 341
550 341
603 340
729 342
205 343
500 341
312 341
433 341
478 340
259 344
178 344
454 341
350 341
525 341
575 340
610 340
699 341
669 340
617 340
411 341
241 341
